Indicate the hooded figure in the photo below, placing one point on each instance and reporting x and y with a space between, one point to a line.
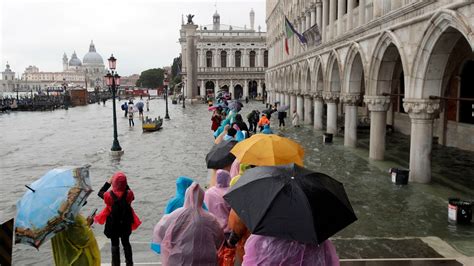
182 183
214 198
76 245
267 250
119 217
189 235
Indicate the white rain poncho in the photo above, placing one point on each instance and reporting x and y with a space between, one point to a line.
189 235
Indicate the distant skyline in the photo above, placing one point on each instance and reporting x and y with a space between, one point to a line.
141 34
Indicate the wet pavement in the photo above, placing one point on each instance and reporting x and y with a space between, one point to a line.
33 143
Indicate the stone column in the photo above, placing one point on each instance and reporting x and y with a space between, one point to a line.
332 18
361 12
422 113
203 89
308 119
199 63
191 64
288 99
300 106
341 7
216 87
231 89
325 17
259 88
319 16
312 15
378 106
395 4
318 112
246 89
292 103
331 99
309 23
350 19
350 120
378 7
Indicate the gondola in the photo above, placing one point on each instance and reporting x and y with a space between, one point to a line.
149 125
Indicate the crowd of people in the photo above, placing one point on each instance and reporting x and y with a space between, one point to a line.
198 227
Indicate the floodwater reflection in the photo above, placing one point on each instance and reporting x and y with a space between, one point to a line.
34 142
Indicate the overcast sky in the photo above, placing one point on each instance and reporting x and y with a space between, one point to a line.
141 34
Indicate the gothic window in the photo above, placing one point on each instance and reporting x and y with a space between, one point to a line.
223 59
238 59
252 59
265 58
208 59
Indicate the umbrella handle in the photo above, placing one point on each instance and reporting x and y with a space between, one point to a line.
30 188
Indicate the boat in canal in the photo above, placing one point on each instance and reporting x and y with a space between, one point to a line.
150 125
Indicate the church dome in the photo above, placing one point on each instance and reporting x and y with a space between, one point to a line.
74 60
92 57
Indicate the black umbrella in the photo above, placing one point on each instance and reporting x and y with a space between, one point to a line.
291 202
219 156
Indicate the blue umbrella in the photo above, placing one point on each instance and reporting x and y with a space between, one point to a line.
139 105
51 204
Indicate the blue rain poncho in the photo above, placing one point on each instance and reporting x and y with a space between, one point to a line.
267 130
182 183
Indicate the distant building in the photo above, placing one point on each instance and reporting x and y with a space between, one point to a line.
229 58
129 81
87 73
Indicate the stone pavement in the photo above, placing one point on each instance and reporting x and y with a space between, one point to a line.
352 252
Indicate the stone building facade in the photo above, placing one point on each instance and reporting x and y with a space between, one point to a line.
229 58
88 73
404 63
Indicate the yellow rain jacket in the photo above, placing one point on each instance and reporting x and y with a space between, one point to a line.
76 245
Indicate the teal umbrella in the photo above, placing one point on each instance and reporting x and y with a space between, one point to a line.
51 204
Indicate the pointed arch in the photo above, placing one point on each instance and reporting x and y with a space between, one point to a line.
355 70
333 73
387 51
318 74
445 28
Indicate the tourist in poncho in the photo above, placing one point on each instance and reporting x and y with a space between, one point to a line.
214 198
118 215
76 246
267 250
189 235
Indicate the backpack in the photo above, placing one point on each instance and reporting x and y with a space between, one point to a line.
119 221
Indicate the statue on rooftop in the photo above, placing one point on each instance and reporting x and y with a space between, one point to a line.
190 19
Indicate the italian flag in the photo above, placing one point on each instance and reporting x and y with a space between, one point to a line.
289 32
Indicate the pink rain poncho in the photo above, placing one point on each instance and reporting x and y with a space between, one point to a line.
189 235
267 250
214 199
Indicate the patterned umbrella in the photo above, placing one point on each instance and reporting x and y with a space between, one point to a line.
51 204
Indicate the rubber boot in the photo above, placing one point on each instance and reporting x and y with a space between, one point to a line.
127 250
115 256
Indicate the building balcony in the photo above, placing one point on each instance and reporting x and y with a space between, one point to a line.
225 70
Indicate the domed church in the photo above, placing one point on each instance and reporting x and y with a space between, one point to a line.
92 66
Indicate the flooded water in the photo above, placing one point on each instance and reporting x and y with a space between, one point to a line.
33 143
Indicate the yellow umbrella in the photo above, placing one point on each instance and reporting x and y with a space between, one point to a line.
268 150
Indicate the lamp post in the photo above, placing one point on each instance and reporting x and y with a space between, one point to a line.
183 99
112 80
166 82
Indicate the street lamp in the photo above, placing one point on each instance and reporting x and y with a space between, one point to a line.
166 82
112 80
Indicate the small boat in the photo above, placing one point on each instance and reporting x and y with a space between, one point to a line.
150 125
